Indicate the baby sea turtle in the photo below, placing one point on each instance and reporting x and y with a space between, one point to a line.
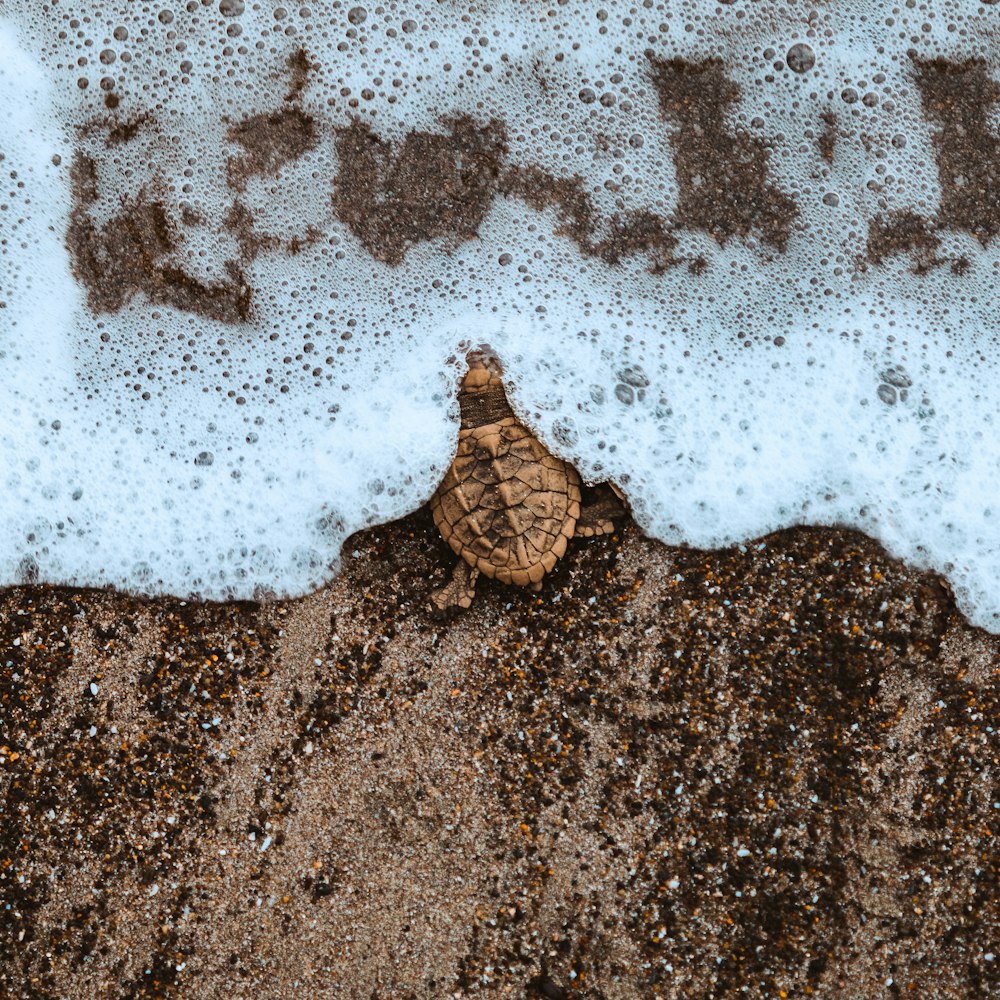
506 506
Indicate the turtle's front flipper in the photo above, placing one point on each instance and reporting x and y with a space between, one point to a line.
598 518
459 591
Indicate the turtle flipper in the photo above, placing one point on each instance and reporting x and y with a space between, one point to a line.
598 518
459 591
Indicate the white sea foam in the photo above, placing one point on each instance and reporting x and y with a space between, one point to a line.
156 448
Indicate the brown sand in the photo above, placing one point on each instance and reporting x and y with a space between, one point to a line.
672 773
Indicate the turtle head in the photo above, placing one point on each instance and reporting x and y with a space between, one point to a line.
484 370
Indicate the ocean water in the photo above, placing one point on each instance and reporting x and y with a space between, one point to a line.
740 258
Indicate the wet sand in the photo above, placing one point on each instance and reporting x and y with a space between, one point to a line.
672 773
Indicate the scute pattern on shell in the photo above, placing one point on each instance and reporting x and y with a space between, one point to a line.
506 505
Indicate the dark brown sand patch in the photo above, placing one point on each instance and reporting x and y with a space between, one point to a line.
270 141
904 232
300 67
130 253
253 240
827 139
722 172
961 97
432 185
640 232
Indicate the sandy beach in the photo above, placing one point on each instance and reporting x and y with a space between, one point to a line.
672 773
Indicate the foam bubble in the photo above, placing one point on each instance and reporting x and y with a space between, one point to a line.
739 260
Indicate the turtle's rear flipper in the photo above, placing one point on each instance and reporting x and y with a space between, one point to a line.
459 591
598 517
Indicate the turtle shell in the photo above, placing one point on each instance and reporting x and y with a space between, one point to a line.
506 505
